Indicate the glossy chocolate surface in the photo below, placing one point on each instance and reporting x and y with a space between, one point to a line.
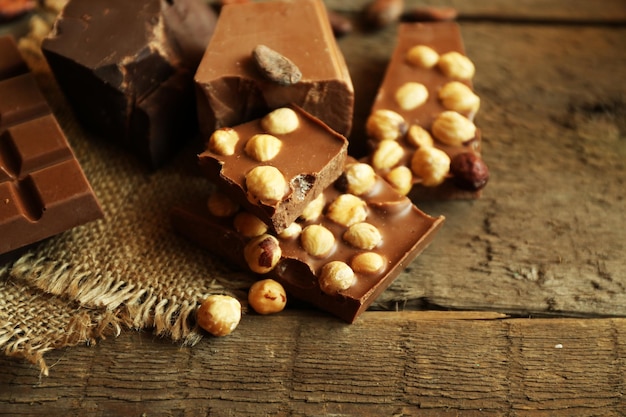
443 37
311 158
231 90
127 69
43 190
405 230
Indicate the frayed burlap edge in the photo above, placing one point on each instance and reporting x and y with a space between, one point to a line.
19 340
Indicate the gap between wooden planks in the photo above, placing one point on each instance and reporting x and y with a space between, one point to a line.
427 363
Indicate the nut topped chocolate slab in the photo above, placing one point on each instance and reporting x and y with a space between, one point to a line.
230 87
421 132
345 249
43 190
275 165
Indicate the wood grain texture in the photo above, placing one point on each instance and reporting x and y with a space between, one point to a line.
304 364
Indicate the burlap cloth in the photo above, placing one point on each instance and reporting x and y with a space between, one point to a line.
129 270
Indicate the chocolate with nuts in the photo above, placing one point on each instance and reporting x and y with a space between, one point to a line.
426 107
276 165
231 89
340 258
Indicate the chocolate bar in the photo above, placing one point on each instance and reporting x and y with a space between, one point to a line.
371 236
230 88
287 146
43 190
127 67
426 106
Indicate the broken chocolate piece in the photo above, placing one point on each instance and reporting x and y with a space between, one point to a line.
427 87
43 190
400 233
308 157
231 90
127 67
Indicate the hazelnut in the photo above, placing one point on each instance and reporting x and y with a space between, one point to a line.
267 297
280 121
459 97
469 171
317 240
263 147
422 56
219 314
431 164
456 65
347 209
411 95
223 141
314 209
359 178
388 154
221 205
336 276
453 128
266 183
418 136
363 236
368 263
401 179
290 232
385 125
262 253
249 225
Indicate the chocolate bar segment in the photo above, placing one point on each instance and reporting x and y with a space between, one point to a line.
230 88
127 67
309 159
398 232
430 89
43 190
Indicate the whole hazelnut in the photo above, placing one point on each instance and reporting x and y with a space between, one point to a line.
267 296
262 253
219 314
469 171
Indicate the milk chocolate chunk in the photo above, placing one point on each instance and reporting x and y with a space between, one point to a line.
364 259
276 165
230 88
127 67
426 105
43 190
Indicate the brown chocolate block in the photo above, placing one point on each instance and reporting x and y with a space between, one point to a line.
310 158
231 90
127 67
443 38
404 230
43 190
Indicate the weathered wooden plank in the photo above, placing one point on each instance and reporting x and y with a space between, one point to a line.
560 11
304 364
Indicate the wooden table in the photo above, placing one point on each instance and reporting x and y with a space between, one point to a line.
532 277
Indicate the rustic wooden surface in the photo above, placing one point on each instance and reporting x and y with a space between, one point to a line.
300 364
547 239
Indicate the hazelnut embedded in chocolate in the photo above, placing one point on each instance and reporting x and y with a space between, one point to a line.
469 171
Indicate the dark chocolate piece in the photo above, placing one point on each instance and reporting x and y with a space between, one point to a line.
309 159
404 229
231 90
43 190
443 38
127 67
